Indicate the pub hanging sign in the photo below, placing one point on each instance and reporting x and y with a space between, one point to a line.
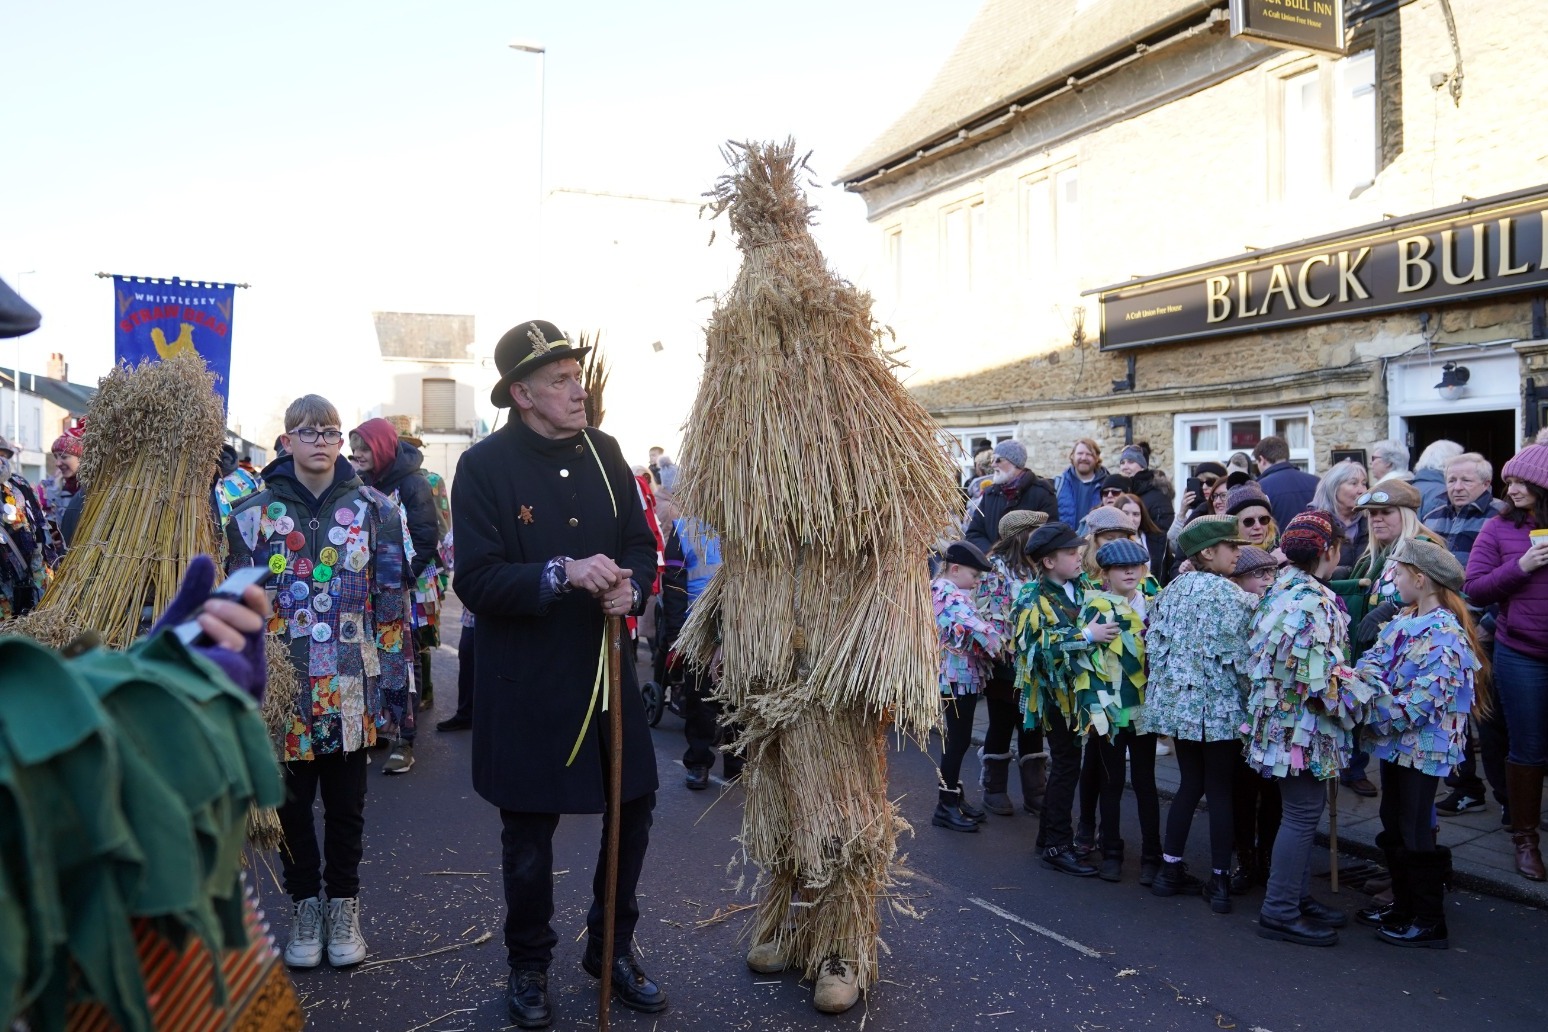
1496 246
1294 24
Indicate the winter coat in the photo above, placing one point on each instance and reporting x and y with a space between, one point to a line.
345 620
403 480
1027 491
1154 490
1495 576
521 500
1077 497
1431 484
1290 490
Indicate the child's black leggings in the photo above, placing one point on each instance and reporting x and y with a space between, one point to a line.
959 735
1207 770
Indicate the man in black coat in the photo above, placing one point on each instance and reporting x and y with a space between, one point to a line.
1014 487
551 540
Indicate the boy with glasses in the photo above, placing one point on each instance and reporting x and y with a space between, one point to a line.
340 562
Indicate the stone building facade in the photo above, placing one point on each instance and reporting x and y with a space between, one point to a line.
1073 145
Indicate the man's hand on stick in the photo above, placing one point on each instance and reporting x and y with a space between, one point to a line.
598 576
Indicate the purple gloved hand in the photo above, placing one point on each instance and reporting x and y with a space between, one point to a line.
233 632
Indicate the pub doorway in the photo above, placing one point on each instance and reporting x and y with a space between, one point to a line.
1492 434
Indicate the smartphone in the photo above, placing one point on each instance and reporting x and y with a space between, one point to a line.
189 632
1196 486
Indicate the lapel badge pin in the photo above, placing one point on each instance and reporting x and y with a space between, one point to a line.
526 514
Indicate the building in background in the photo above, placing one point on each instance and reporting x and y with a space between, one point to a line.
49 405
431 382
1081 168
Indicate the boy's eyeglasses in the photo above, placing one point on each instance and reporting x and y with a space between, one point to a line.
310 435
1254 521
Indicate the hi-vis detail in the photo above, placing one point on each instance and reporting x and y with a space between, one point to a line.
1487 247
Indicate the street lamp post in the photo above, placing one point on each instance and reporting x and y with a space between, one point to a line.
16 386
527 46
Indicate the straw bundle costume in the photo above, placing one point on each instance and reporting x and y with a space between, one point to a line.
828 488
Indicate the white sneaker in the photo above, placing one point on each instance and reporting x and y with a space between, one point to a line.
305 948
838 987
346 945
1163 745
766 958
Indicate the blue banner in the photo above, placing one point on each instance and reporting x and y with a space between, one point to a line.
157 319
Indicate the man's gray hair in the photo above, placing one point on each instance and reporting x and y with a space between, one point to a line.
1393 453
1485 468
1437 455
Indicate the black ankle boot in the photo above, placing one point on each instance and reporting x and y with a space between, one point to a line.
967 809
1174 878
1150 866
1241 874
1112 863
1426 877
947 814
1218 892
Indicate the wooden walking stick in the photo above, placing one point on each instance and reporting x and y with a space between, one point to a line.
1333 833
614 809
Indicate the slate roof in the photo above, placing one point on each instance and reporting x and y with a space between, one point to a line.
1015 49
72 397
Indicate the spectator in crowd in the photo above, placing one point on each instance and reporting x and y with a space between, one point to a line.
654 466
1079 487
1152 485
982 473
1290 490
1467 507
1015 487
1389 461
1430 473
1193 505
1240 462
1508 567
1337 492
1148 534
666 472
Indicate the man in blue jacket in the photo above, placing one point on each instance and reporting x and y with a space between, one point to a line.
1289 489
1079 487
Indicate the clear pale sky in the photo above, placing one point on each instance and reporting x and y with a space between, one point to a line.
344 157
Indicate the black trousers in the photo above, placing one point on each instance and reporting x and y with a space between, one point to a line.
1408 806
958 711
702 727
1256 810
1140 752
1003 704
527 844
1055 831
1207 770
465 670
341 778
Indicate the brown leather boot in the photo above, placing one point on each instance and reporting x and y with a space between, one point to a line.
1524 786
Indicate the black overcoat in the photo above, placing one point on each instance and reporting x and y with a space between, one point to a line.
521 499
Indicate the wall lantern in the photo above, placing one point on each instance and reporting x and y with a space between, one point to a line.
1453 382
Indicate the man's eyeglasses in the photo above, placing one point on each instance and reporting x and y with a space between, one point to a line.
1254 521
311 435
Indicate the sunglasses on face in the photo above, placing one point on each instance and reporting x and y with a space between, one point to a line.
1254 521
1111 491
1209 481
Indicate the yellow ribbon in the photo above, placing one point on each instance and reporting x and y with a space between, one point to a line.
599 683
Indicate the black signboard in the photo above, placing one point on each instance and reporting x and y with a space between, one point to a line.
1295 24
1490 247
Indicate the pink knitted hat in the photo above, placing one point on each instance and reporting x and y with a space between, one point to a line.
1530 464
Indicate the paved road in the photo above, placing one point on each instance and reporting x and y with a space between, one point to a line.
1004 945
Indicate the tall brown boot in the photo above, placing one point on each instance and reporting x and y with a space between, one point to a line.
1524 786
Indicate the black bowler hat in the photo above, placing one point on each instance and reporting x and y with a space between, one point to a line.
1051 537
965 553
525 347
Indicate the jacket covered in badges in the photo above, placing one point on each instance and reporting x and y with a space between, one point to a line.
1197 644
1423 668
28 549
523 500
341 599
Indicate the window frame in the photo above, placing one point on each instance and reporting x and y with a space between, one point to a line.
1187 458
449 383
1334 118
958 440
974 223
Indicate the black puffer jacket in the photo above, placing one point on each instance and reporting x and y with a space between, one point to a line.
1154 490
413 489
1027 491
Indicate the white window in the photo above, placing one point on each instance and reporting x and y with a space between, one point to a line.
1216 436
438 404
895 263
1328 133
1050 229
958 442
964 241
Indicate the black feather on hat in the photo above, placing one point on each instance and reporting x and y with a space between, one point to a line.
525 348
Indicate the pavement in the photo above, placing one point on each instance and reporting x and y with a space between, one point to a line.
1002 943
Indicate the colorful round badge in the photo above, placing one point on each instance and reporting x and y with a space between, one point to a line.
322 573
321 632
338 535
303 567
304 619
276 510
284 601
299 590
329 556
295 541
322 602
276 564
10 511
344 517
284 525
